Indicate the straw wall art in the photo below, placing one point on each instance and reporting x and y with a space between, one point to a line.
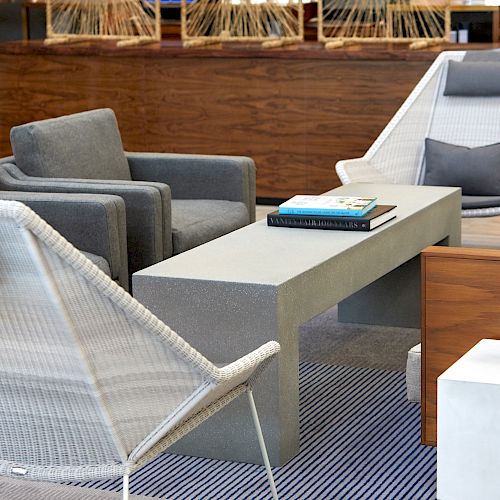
418 22
129 22
272 22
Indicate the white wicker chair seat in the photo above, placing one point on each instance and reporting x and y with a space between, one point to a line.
397 155
92 384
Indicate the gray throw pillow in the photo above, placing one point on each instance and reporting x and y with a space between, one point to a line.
84 146
473 79
475 170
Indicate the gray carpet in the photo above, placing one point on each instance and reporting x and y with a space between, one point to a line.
324 340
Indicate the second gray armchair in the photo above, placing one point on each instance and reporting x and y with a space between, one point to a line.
174 202
95 224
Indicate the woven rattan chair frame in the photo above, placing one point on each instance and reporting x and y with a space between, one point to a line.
93 385
397 155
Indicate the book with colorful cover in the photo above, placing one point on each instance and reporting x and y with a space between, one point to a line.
351 206
375 218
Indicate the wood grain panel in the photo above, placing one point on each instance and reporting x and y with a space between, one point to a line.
461 306
296 116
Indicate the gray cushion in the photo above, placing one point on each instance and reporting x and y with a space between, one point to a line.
475 170
473 79
480 201
195 222
84 145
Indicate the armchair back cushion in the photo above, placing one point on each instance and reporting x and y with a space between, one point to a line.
84 145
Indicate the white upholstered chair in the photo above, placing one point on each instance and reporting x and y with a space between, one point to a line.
397 155
92 384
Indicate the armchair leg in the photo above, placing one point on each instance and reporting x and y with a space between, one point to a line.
125 487
262 444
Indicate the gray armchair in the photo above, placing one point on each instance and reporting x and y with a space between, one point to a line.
95 224
173 202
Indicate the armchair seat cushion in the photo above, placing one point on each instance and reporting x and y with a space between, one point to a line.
195 222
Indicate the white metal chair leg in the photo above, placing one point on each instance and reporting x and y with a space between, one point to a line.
262 444
125 487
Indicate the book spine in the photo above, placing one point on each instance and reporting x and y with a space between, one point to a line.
308 223
320 211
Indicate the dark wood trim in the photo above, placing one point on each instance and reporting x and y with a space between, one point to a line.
306 50
173 48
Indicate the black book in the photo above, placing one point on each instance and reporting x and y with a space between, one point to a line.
373 219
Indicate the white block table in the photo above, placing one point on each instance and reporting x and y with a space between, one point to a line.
469 426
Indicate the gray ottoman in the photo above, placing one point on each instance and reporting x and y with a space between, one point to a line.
413 374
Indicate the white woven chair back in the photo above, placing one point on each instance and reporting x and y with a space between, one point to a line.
397 152
464 121
467 121
46 393
86 372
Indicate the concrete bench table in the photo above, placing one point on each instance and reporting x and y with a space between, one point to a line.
261 283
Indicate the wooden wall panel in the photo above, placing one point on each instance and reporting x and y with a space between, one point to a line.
296 114
460 306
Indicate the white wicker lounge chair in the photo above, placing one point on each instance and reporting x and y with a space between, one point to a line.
92 384
397 155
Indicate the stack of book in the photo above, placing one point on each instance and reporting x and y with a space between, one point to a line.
347 213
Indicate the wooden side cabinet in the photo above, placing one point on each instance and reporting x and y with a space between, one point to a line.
460 306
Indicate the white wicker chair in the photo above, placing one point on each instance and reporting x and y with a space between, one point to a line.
397 155
92 384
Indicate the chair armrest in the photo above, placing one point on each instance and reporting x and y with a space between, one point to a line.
248 367
7 159
359 170
92 223
144 204
199 176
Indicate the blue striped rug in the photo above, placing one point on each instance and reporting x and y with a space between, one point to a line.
360 439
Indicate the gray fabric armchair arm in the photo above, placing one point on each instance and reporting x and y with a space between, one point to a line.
7 159
148 210
229 178
93 223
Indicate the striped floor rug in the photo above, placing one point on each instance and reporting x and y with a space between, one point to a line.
359 440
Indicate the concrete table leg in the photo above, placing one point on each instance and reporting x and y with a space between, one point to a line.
225 321
393 299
